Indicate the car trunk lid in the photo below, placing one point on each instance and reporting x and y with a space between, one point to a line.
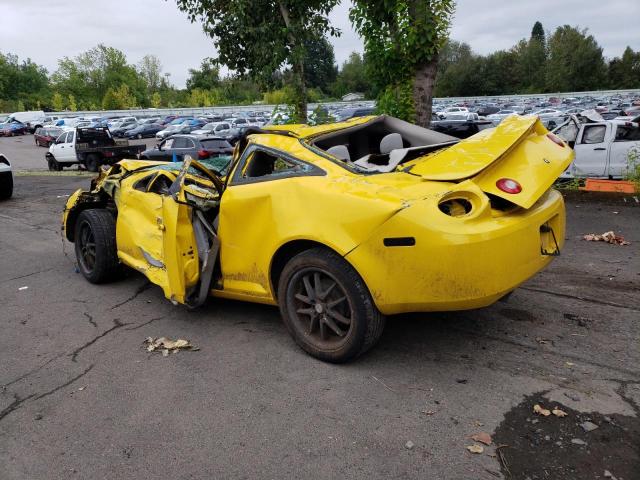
520 148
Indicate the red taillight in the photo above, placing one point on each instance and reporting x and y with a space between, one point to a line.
509 185
108 154
203 154
555 139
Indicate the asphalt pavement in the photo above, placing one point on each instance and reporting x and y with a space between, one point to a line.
82 398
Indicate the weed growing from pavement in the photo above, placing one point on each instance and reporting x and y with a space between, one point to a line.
633 166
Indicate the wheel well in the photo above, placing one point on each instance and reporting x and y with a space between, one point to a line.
70 226
285 253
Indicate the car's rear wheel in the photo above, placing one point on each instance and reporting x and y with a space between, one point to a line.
6 185
92 162
327 307
95 245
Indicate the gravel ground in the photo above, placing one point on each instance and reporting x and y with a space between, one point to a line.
81 397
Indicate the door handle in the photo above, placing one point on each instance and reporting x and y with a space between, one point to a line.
600 148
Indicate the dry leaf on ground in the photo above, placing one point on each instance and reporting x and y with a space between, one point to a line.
166 345
541 411
609 237
482 437
559 413
475 448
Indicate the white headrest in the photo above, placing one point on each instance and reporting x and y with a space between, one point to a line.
340 151
393 141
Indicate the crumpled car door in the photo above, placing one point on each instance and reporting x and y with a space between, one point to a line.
190 242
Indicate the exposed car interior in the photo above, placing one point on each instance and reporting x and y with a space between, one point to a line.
382 144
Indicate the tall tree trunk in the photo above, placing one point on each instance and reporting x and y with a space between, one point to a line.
300 91
299 87
423 85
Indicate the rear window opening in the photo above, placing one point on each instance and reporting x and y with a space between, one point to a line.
382 144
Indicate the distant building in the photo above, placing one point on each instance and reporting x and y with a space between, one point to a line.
352 97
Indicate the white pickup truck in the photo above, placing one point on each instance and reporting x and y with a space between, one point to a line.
604 148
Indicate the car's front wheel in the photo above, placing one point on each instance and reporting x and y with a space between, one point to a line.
95 245
327 307
54 165
6 185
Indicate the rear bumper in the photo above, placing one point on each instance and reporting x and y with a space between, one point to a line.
468 265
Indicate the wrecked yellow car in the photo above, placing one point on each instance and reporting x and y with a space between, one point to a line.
338 224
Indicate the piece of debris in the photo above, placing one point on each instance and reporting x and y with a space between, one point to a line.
81 389
608 474
589 426
577 441
428 412
608 237
582 321
559 413
409 445
462 380
475 448
541 411
383 384
22 288
482 437
165 345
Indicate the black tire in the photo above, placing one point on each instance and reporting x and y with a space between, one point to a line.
92 162
54 165
6 185
95 245
341 299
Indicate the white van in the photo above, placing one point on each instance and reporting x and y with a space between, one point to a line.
33 119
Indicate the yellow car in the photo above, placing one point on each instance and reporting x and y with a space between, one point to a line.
338 224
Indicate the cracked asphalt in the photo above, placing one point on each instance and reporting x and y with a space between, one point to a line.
81 398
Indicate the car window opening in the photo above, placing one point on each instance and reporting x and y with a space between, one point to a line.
381 145
262 164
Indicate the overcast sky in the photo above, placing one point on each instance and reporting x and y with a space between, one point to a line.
46 30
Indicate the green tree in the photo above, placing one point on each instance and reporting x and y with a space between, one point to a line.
353 77
402 40
57 102
575 61
24 82
118 98
150 69
533 60
320 70
91 74
258 37
624 72
156 100
206 77
71 103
